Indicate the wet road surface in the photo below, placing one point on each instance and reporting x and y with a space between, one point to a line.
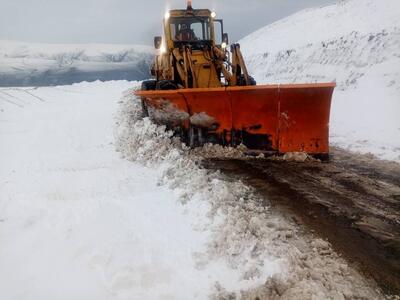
353 201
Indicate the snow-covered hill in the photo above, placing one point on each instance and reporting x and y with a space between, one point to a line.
354 43
24 64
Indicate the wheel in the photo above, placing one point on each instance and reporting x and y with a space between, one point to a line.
166 85
149 85
252 81
192 136
242 81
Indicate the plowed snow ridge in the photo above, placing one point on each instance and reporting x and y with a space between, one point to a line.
244 234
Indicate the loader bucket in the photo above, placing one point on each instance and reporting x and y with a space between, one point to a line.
280 118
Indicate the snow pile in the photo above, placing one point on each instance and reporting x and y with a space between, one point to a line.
51 64
272 257
354 43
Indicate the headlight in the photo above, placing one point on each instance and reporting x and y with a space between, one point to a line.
167 15
223 45
213 14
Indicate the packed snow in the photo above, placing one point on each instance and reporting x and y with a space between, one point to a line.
354 43
28 64
80 220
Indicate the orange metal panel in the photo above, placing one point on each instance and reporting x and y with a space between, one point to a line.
304 118
209 104
156 98
255 110
170 105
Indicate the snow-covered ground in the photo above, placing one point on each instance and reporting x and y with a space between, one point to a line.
354 43
31 64
79 220
98 203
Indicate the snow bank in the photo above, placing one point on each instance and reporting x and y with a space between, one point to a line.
273 257
52 64
354 43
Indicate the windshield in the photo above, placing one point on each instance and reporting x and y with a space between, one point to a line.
190 29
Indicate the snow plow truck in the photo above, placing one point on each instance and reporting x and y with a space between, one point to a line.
203 92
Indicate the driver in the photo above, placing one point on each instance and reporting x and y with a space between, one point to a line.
185 34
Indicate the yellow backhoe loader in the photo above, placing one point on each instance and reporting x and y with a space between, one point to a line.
202 90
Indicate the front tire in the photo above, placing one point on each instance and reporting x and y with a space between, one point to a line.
166 85
242 81
149 85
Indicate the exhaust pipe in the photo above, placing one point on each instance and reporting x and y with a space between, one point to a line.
189 5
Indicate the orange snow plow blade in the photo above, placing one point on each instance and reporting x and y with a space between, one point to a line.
278 118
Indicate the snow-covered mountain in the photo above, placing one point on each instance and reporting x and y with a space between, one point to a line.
24 64
354 43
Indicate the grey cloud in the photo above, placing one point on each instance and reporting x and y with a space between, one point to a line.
128 21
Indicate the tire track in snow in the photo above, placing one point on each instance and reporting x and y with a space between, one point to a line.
11 102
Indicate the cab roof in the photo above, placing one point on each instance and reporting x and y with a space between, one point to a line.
189 13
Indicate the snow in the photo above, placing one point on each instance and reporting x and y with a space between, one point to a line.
79 220
354 43
49 64
246 233
99 203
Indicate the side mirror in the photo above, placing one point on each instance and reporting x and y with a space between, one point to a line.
225 38
157 42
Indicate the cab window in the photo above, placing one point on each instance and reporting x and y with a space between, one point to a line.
190 29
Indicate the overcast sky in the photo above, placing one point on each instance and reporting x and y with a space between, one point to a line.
128 21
